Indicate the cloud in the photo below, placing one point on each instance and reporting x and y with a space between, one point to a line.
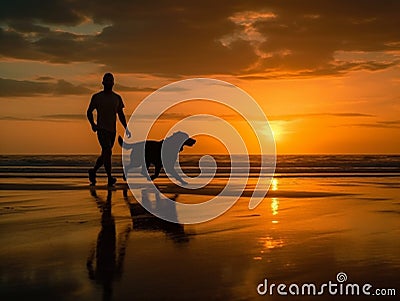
375 125
49 11
169 116
254 39
10 87
236 117
390 122
177 116
45 78
385 124
14 118
291 117
296 42
50 117
64 117
122 88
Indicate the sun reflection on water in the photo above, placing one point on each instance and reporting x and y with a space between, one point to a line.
271 243
274 201
275 206
274 184
275 209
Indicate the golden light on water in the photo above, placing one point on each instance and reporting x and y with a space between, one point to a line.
274 209
274 184
275 206
272 243
274 201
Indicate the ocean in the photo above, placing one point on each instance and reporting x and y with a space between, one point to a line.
76 166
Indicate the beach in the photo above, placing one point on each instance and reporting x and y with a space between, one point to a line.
62 240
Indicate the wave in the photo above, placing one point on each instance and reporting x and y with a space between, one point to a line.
286 165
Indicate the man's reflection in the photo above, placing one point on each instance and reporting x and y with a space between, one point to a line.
142 220
105 261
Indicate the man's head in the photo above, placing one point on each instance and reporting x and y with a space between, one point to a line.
108 81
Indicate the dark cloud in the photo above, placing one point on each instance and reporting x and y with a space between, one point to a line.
14 45
10 87
306 34
45 78
255 39
64 47
329 69
46 11
27 27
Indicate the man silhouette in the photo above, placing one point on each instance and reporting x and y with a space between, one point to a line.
107 104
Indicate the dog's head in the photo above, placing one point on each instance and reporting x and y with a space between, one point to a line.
189 142
182 139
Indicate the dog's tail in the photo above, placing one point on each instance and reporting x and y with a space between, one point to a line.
124 144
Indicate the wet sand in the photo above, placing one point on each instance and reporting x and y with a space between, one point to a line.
67 242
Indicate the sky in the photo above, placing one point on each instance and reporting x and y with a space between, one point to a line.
325 73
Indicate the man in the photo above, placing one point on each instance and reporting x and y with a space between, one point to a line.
107 104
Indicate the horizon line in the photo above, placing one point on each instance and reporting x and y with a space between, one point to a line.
199 154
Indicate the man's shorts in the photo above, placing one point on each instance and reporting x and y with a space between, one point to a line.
106 138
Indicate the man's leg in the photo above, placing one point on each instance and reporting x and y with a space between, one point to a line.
107 153
92 171
99 162
100 159
106 140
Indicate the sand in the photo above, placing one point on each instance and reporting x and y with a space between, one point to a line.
65 241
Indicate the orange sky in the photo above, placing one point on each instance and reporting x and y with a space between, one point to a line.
326 73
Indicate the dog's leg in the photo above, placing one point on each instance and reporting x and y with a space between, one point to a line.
173 173
123 175
125 172
145 170
157 170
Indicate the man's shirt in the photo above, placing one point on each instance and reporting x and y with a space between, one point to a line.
107 105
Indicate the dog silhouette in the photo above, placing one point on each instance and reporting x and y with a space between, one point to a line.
163 153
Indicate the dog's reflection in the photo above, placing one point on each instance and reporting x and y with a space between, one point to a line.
142 220
105 260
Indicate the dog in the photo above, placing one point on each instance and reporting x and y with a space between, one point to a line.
154 153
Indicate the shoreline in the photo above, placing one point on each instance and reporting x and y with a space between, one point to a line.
49 239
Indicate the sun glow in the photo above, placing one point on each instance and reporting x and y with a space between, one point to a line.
277 130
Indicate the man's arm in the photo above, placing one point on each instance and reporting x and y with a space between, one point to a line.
121 117
89 114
